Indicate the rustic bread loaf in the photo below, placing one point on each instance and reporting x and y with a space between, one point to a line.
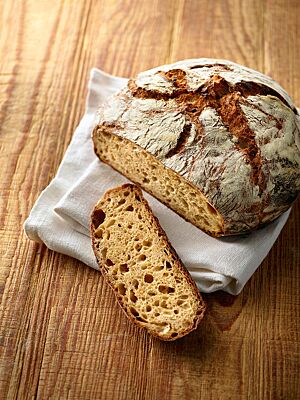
135 256
215 141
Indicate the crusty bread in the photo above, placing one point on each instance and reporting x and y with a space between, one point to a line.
134 254
215 141
144 169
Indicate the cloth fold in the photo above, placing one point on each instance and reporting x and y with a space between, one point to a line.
60 216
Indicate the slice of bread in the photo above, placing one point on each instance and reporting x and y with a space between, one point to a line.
134 254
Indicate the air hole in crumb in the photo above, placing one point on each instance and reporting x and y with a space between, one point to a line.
176 311
129 226
137 197
99 233
122 201
124 268
122 289
129 208
174 334
168 265
166 289
132 296
184 203
119 225
138 246
109 262
180 302
142 257
148 308
157 314
163 304
107 235
184 296
141 319
98 218
126 193
134 312
148 278
135 283
156 303
151 293
147 243
139 216
146 180
158 268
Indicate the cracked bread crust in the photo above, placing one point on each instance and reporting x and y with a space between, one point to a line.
229 131
154 289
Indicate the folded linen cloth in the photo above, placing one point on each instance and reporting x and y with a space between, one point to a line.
60 216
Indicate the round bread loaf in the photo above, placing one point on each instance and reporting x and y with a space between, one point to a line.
217 142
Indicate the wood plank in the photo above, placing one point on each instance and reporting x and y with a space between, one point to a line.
29 120
256 366
227 29
281 38
45 81
61 333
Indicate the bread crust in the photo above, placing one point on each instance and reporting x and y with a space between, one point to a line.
156 225
231 132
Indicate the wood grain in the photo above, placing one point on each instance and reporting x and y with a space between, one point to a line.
61 334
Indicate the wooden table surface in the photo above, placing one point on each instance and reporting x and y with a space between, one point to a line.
61 334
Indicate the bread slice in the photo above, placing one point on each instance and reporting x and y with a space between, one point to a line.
134 254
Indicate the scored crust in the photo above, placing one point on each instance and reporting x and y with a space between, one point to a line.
161 326
229 131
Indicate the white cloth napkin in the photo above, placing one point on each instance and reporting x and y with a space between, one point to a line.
60 216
